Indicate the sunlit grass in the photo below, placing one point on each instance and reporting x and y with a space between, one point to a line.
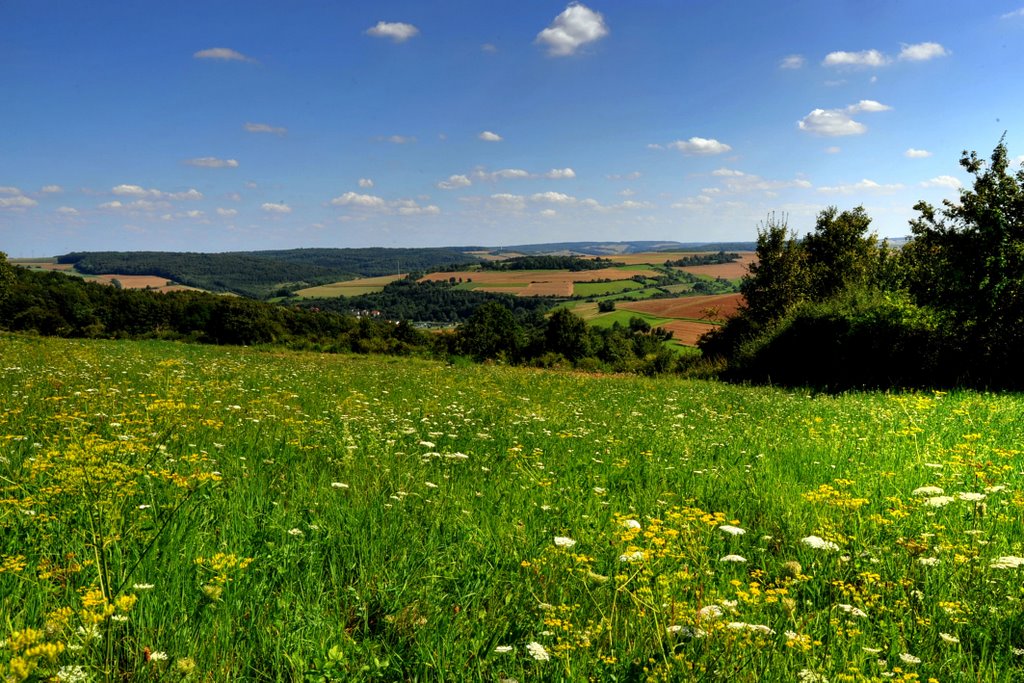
172 512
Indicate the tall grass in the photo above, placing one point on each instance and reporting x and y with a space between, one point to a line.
172 512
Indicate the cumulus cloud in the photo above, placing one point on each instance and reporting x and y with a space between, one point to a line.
922 52
792 62
227 213
409 207
488 136
454 182
365 183
515 201
560 174
864 58
399 139
864 185
51 189
727 173
553 198
917 153
17 201
575 27
140 192
367 201
397 31
837 122
212 162
270 207
265 128
946 181
548 213
699 146
501 174
7 189
222 53
67 210
194 213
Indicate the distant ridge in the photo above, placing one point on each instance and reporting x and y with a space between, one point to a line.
612 248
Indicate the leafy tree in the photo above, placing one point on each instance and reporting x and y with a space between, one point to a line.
968 258
839 253
567 334
6 277
491 331
776 280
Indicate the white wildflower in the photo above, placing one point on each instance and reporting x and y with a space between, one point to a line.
732 530
72 674
872 650
142 586
564 542
502 649
808 676
295 532
854 611
430 485
631 524
908 658
538 652
938 501
1006 562
928 561
971 497
635 556
928 491
427 444
338 485
743 626
733 558
948 638
818 543
158 656
709 612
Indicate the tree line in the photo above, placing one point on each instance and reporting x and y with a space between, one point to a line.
840 309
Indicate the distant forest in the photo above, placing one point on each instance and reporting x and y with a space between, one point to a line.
264 274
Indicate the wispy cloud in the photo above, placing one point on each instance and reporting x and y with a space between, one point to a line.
488 136
51 189
212 162
398 139
575 27
365 183
864 185
265 128
792 62
278 208
1015 14
396 31
224 54
917 153
946 181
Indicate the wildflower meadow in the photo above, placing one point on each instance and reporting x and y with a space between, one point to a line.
172 512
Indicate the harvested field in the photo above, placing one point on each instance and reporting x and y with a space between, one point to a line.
43 265
363 285
729 271
159 284
713 306
538 282
687 332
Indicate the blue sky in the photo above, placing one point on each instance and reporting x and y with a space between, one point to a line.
222 126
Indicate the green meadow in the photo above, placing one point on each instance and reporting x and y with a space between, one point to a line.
172 512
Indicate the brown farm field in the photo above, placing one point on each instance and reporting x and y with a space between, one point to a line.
158 284
710 307
537 282
363 285
728 271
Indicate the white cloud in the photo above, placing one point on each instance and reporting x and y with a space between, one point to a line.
560 173
727 173
366 201
275 208
628 192
548 213
111 205
700 146
635 175
408 207
140 192
222 53
577 26
922 52
553 198
137 205
1020 159
51 189
365 183
831 123
397 31
454 182
868 106
190 194
212 162
7 189
833 150
946 181
489 48
1015 14
265 128
917 153
399 139
194 213
488 136
227 213
869 58
792 62
67 210
501 174
18 201
864 185
515 201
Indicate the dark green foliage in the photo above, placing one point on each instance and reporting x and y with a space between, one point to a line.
438 302
566 333
492 331
606 306
6 277
260 274
704 259
550 262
